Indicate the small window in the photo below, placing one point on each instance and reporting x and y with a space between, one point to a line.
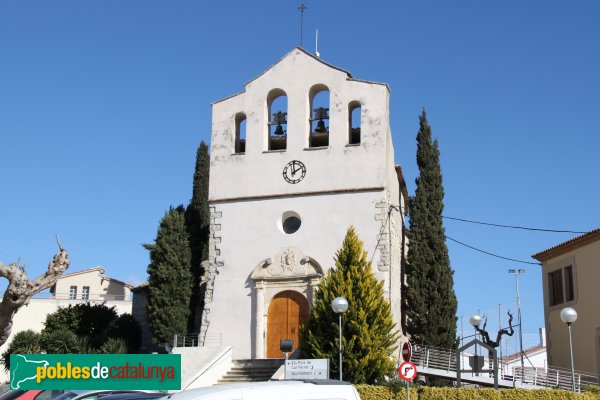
568 273
561 286
290 222
72 292
85 293
319 121
291 225
555 286
240 133
355 115
277 106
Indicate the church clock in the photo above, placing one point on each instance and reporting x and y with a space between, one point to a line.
294 171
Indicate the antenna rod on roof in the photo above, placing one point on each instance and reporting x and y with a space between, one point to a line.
301 8
317 45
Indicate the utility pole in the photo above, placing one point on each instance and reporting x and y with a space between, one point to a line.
516 273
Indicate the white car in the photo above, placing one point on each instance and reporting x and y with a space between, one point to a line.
273 390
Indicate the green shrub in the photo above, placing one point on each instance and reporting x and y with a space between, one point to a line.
592 389
94 324
369 392
114 346
24 342
60 341
127 328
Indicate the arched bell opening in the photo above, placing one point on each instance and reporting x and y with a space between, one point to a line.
354 123
319 116
240 133
277 105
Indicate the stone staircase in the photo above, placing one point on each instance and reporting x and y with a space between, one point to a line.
251 371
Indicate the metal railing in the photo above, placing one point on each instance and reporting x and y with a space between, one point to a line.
444 360
555 377
193 340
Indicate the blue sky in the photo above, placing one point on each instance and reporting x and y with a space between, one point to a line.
103 104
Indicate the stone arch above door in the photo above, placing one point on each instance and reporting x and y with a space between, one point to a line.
288 270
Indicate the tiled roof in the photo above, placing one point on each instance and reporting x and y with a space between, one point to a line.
532 350
85 271
99 269
569 245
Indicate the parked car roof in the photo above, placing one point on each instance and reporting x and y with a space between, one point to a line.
272 390
133 396
84 394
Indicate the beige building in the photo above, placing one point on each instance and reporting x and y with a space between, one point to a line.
571 278
90 284
77 287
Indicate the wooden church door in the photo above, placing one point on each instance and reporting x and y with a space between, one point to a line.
287 311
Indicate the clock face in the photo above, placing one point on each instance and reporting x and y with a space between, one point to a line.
294 171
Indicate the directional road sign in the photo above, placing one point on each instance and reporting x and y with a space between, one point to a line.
407 371
307 369
406 351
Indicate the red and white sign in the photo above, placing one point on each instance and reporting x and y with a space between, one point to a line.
407 371
406 351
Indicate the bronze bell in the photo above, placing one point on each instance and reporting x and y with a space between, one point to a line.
321 128
279 130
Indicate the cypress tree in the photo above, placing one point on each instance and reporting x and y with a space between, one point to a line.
197 218
368 335
430 306
170 277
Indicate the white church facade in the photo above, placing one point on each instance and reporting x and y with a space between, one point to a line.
288 177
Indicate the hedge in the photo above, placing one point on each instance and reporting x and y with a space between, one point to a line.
368 392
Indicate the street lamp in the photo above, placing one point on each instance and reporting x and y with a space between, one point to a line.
568 316
516 273
340 306
475 320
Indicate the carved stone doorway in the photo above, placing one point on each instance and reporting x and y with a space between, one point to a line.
282 295
287 311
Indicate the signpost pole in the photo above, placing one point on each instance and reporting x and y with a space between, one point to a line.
407 390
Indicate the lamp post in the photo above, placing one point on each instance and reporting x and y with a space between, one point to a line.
568 316
475 320
517 273
340 306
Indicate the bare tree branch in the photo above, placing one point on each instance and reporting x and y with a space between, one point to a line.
486 337
20 289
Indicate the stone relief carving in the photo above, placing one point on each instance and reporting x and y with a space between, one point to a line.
289 262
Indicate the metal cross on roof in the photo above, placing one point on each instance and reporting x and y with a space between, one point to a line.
301 8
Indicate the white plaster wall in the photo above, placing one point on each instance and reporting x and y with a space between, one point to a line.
34 315
250 232
203 366
538 360
344 185
258 173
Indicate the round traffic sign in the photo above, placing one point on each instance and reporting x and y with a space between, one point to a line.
406 351
407 371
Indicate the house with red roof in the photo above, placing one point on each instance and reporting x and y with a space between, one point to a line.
571 278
